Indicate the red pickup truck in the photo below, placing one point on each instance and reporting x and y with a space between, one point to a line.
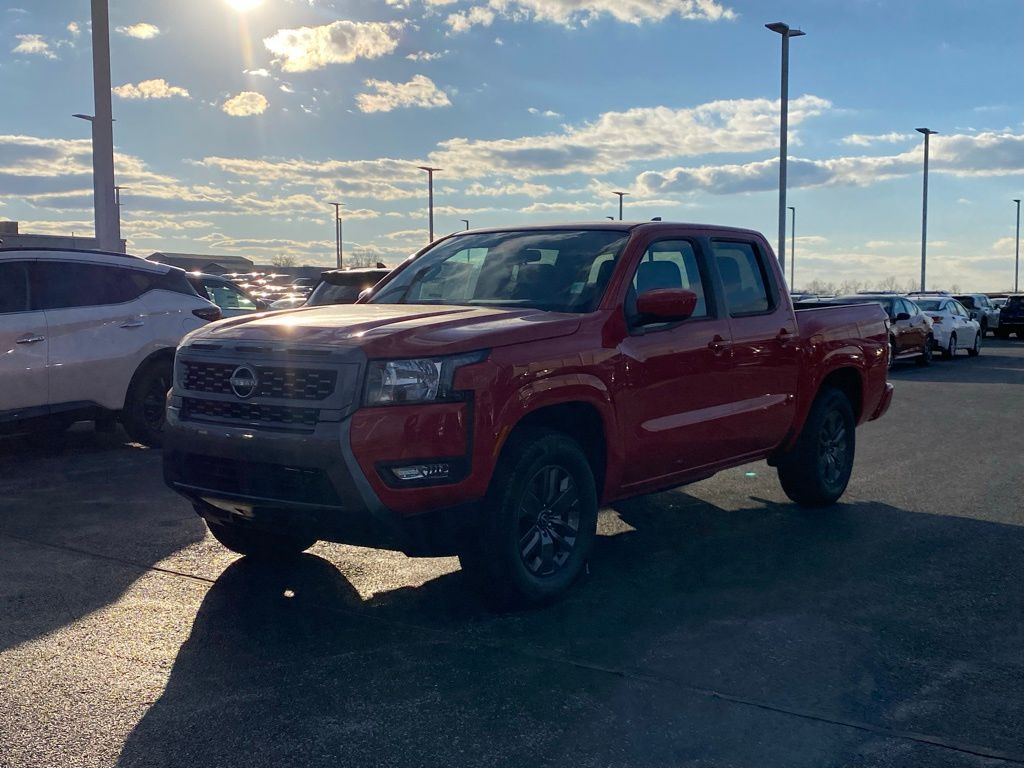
501 385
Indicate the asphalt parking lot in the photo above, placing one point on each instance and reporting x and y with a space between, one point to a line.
719 625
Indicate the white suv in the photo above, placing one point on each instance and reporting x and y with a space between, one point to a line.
90 335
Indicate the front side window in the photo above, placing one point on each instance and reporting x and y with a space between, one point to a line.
65 284
226 296
671 264
743 277
13 287
557 271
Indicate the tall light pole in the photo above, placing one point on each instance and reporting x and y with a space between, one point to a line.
621 195
792 249
786 32
337 233
430 187
108 226
466 222
928 132
1016 262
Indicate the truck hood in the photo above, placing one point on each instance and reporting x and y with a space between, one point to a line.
396 330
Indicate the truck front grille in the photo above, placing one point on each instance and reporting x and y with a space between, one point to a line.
267 481
274 381
254 414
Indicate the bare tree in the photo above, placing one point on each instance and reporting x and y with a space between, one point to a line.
284 260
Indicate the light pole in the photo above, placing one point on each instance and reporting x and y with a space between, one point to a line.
786 32
466 222
928 132
108 227
430 187
1016 262
792 249
337 233
621 195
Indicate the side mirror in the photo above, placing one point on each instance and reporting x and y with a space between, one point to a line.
663 305
902 316
262 305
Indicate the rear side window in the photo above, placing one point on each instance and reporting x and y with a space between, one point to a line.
65 284
743 277
13 287
226 296
175 281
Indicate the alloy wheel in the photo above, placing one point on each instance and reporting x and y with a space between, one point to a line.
549 520
833 447
155 402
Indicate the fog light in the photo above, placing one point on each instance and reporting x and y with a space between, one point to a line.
422 472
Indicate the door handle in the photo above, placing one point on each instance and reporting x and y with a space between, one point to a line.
718 345
30 339
135 323
784 336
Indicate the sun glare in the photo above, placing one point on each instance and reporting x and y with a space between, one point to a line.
244 5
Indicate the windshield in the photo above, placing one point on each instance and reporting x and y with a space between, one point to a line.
967 301
1015 301
930 305
558 271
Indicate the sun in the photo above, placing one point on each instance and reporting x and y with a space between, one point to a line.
244 5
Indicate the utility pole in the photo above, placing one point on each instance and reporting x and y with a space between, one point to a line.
108 225
1016 262
430 199
792 249
786 32
928 133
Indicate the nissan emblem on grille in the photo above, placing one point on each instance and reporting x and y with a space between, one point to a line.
243 382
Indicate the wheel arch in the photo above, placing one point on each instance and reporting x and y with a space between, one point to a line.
162 355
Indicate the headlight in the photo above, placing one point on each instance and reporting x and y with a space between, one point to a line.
419 380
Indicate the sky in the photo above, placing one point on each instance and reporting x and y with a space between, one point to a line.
238 121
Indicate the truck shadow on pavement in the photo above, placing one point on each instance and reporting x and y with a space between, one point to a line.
862 613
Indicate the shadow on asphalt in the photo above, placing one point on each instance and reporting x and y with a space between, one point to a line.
86 491
863 612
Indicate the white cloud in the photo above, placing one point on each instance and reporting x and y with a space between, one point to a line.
418 92
74 29
245 104
572 12
257 72
150 89
141 31
34 45
427 55
342 42
544 113
477 189
866 140
477 16
618 139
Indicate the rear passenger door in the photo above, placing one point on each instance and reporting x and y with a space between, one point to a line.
97 337
765 347
23 345
675 374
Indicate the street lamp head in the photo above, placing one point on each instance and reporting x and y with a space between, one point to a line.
1016 200
90 118
791 207
926 131
621 194
784 29
427 168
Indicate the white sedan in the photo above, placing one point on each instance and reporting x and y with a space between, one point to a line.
953 328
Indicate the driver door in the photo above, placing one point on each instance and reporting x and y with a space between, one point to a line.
675 374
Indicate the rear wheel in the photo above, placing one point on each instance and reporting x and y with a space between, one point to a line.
926 353
816 472
950 351
257 543
146 403
538 523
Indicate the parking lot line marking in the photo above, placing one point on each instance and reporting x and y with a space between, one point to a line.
646 677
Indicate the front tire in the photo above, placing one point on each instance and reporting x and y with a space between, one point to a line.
976 349
538 524
257 543
146 404
816 472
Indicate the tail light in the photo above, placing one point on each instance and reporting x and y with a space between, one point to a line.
207 313
936 319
